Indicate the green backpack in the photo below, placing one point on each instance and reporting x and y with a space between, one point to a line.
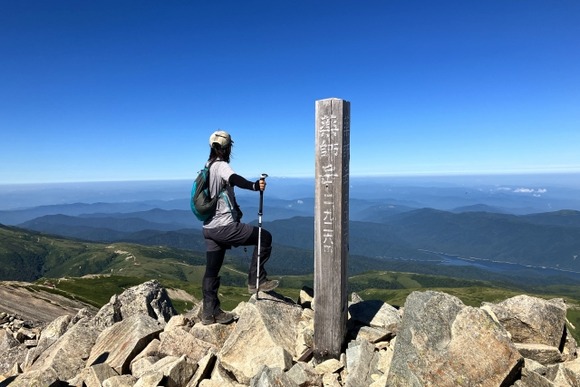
202 204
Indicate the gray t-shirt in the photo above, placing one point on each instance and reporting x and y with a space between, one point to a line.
219 174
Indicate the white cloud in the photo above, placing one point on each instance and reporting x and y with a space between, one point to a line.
536 192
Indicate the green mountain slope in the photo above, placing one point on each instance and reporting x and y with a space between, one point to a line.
491 236
27 256
565 218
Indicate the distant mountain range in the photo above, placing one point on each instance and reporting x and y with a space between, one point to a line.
399 238
463 231
547 239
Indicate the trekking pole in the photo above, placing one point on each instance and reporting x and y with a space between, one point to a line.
260 209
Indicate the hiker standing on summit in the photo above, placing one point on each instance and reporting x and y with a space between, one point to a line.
224 229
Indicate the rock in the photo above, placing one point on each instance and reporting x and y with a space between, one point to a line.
11 358
120 381
573 366
11 352
329 366
120 343
25 334
571 371
82 314
305 335
48 336
385 357
30 343
530 378
214 334
533 365
532 320
375 314
331 380
306 297
151 350
442 342
149 299
220 377
205 366
370 334
40 377
177 371
7 341
570 350
303 374
97 374
361 363
214 383
153 378
561 376
179 321
143 365
271 377
265 334
355 298
67 356
541 353
178 342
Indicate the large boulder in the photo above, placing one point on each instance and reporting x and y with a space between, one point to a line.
48 336
67 356
442 342
265 335
149 298
374 319
361 363
118 345
532 320
177 342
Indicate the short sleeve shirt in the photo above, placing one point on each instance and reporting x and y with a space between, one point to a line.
219 174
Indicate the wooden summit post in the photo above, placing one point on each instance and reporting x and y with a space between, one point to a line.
331 226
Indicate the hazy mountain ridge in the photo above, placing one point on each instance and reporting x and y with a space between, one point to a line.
119 222
544 239
395 224
21 215
564 218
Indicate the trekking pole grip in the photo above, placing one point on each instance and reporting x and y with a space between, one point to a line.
263 177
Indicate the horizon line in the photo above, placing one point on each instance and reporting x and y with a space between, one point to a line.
362 175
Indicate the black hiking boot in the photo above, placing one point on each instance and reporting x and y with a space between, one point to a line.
265 286
211 311
220 317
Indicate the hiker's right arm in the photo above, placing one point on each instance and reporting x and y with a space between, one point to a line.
238 181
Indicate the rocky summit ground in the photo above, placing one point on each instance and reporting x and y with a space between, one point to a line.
138 339
39 306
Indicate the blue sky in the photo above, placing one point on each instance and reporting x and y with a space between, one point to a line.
131 90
